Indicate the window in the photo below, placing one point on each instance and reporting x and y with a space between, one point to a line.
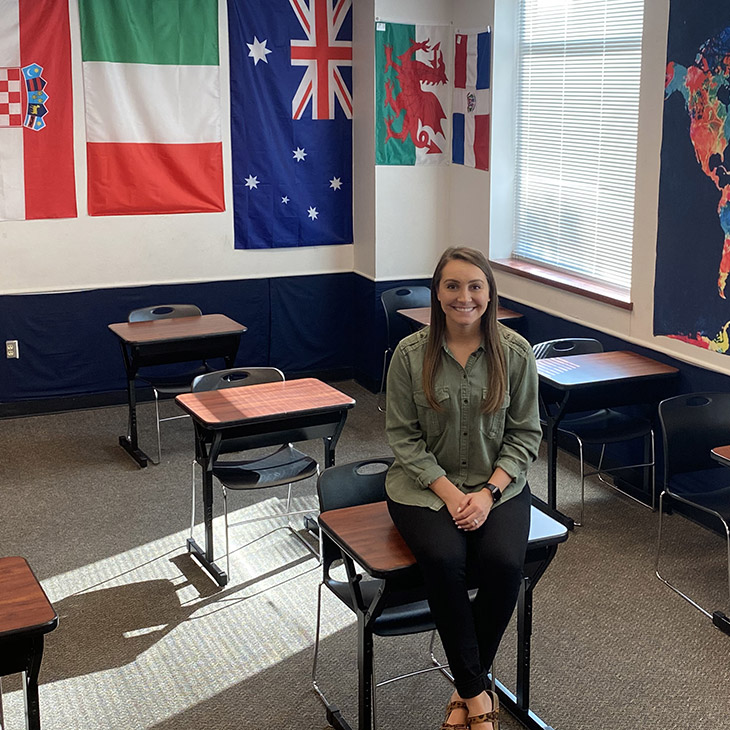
576 119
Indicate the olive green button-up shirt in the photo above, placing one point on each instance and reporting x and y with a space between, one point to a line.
459 441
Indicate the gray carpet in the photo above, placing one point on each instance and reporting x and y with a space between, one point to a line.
146 640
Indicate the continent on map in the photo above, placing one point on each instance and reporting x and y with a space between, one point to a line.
705 86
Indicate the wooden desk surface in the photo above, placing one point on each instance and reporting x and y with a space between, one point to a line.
24 606
374 542
264 400
721 454
176 328
579 371
422 315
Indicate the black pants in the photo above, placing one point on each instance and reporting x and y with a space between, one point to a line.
490 559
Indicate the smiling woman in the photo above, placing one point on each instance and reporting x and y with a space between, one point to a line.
462 421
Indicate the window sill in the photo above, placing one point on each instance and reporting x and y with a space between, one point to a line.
613 295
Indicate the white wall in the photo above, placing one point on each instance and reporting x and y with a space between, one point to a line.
85 253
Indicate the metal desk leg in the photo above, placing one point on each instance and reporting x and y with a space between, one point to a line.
130 442
206 458
32 704
365 674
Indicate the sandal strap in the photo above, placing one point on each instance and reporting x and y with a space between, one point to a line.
455 705
449 726
492 716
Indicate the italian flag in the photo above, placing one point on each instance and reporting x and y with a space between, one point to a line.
151 82
36 111
412 93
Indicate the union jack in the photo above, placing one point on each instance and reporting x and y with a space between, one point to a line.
322 54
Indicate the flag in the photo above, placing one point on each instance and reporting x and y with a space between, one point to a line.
472 99
36 111
291 122
412 94
152 92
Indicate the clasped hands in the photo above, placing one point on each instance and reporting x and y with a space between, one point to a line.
472 510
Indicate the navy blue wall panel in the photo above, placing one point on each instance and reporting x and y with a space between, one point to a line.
329 323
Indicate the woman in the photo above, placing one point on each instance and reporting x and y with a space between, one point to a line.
462 421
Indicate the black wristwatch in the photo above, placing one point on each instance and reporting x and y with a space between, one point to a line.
495 490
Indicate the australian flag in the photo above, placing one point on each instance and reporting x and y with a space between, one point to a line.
291 122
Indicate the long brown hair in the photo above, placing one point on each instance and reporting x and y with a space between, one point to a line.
497 377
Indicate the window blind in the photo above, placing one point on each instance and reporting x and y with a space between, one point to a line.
579 65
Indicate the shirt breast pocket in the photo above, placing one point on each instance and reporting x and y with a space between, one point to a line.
493 423
433 422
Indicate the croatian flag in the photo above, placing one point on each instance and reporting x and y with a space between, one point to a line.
36 111
472 99
291 122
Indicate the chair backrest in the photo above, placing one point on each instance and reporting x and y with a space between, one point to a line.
402 297
347 485
235 377
163 311
692 424
566 346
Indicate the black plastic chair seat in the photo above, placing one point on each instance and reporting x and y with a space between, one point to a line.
174 384
284 466
605 426
397 620
707 488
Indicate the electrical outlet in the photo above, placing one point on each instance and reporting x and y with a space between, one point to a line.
11 349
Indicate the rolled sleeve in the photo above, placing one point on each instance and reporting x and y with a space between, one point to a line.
522 431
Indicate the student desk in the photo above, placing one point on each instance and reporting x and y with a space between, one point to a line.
366 535
421 316
589 382
26 615
166 341
266 414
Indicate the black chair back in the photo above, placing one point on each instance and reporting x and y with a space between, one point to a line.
360 482
566 346
163 311
693 424
235 377
402 297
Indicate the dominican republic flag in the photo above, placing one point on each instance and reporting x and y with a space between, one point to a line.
152 92
36 111
291 122
472 99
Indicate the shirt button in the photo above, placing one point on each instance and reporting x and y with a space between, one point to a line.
466 400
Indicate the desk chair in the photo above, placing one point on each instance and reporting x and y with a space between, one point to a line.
693 424
602 427
168 385
397 327
407 611
286 465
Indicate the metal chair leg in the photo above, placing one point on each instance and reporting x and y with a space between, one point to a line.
157 423
656 563
192 511
382 378
225 517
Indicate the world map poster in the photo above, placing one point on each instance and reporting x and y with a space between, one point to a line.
692 291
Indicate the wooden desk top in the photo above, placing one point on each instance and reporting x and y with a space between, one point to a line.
721 454
24 606
582 371
370 537
262 401
422 315
176 328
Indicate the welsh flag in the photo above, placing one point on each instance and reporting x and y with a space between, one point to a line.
36 111
151 82
412 94
472 99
